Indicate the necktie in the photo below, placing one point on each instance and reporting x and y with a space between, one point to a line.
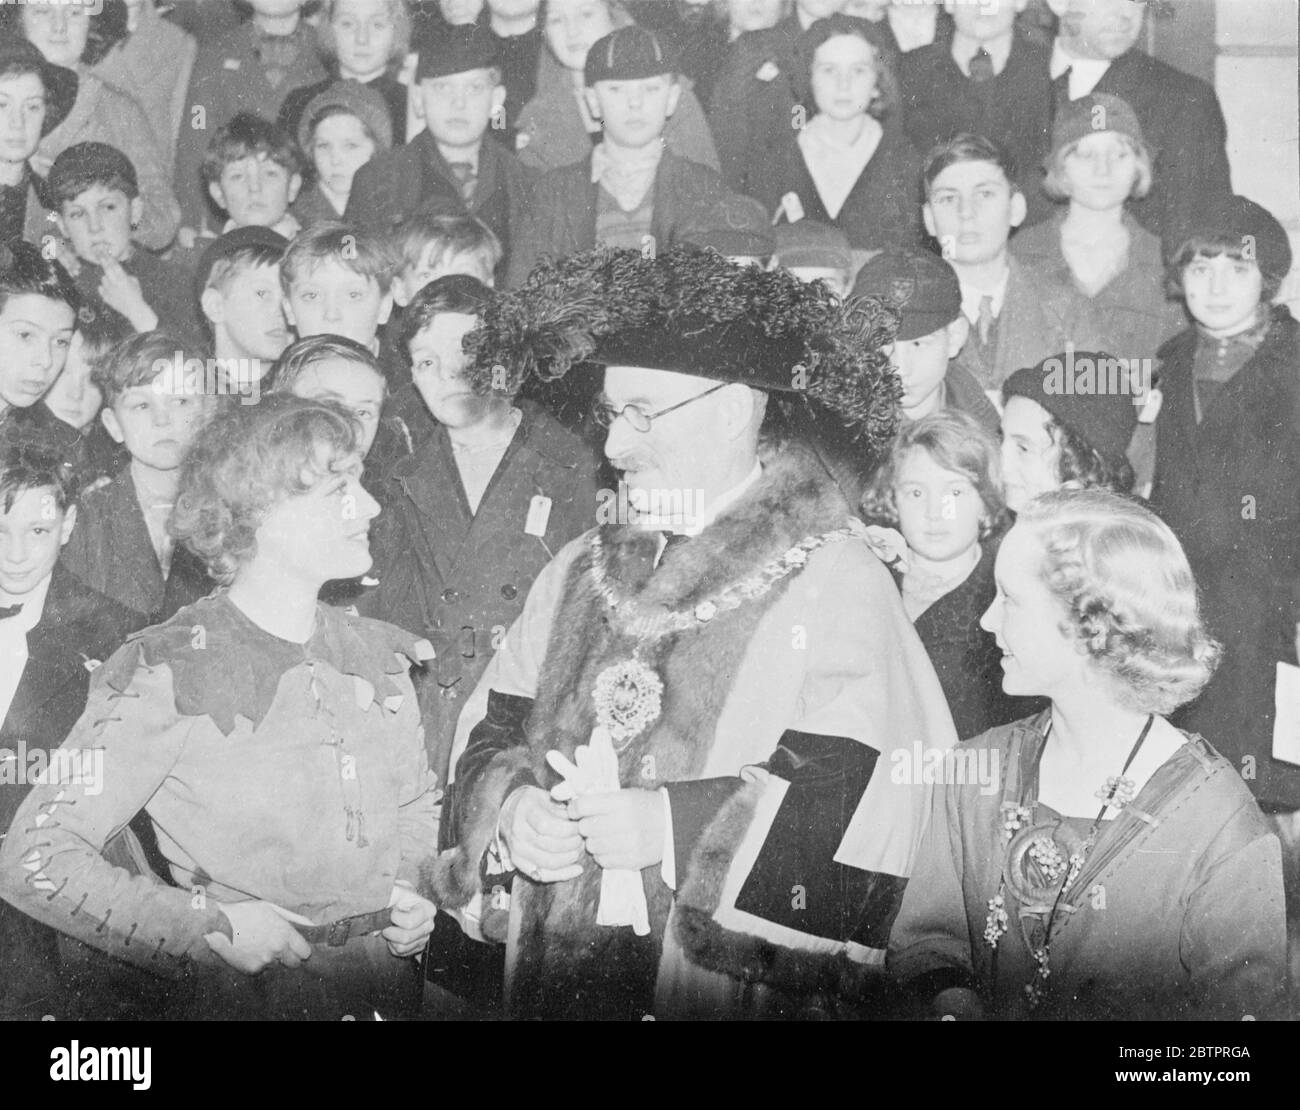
13 610
981 66
984 325
465 177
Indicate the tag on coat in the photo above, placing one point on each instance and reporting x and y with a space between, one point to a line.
768 71
1151 408
539 513
1286 719
230 64
792 206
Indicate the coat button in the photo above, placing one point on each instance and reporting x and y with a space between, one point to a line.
449 595
509 592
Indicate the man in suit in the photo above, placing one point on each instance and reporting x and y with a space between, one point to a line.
53 633
1095 51
449 166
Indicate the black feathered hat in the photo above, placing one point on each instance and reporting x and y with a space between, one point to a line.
693 312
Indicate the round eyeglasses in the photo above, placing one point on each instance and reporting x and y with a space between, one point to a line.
605 414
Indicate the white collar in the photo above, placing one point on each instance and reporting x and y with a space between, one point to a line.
1085 73
33 605
716 507
971 297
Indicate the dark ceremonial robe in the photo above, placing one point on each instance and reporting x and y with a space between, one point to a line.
811 686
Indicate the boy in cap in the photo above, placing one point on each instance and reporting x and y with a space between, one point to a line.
35 96
815 251
460 96
604 746
1227 456
931 333
630 191
96 199
250 69
253 171
237 284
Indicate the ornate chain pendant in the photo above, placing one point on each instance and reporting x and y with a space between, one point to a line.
629 698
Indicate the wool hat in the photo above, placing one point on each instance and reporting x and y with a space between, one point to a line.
628 54
85 162
1238 217
456 50
922 286
1103 417
60 84
693 312
737 226
1091 114
352 97
230 244
810 244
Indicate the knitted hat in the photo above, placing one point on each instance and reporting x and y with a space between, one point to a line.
83 163
1091 114
358 100
922 286
1083 401
693 312
60 84
230 244
809 244
628 54
737 226
456 50
1240 218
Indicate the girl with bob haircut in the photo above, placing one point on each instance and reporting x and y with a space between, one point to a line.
850 165
1120 868
940 488
274 742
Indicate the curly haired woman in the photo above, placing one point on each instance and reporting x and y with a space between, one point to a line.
274 742
1121 869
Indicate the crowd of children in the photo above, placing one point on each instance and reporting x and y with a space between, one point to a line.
206 205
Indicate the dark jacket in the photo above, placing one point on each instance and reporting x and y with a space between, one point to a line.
167 287
883 210
78 630
1227 487
687 197
37 424
460 579
394 185
1013 107
1181 119
965 657
110 551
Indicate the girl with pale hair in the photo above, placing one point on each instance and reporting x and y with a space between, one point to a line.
1115 867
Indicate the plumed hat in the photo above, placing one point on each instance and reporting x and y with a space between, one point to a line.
693 312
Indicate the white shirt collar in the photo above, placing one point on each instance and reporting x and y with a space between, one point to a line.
971 297
33 605
1085 73
719 505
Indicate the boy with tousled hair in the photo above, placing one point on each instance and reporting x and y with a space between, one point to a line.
123 547
252 171
53 633
237 285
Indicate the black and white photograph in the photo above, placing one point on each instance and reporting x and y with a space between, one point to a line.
611 511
